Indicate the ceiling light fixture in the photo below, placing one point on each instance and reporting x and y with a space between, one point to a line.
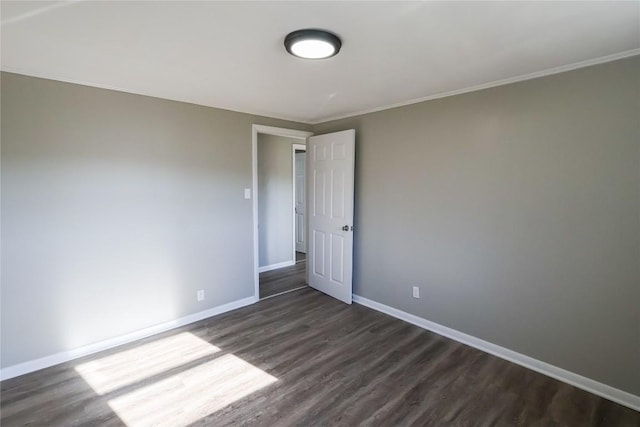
312 44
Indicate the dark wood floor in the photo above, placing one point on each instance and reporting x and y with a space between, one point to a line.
286 279
301 359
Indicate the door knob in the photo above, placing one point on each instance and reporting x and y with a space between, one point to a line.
345 228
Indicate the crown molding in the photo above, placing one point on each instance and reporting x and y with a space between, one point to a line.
495 83
44 76
488 85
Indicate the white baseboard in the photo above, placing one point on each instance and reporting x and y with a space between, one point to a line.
584 383
65 356
276 266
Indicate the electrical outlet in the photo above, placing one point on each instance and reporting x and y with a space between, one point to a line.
416 292
200 295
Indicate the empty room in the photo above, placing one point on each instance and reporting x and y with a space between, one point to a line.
391 213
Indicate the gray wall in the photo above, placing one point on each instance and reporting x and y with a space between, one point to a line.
517 211
275 198
116 208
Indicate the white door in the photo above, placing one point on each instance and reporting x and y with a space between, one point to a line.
300 160
330 165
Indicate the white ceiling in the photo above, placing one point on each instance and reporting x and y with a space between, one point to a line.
231 55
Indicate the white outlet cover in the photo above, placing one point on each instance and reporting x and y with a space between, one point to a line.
247 193
200 295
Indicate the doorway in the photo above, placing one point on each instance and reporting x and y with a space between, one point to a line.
299 200
279 188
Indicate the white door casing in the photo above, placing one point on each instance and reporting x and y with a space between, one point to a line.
269 130
330 184
299 198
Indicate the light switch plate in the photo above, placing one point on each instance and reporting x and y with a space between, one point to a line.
247 193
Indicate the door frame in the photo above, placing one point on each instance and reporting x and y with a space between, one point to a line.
269 130
294 148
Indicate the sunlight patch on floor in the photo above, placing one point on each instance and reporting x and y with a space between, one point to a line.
130 366
191 395
193 379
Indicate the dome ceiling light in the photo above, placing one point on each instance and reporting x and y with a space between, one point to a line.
312 44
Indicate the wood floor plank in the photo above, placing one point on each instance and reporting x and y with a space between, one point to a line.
285 279
304 359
